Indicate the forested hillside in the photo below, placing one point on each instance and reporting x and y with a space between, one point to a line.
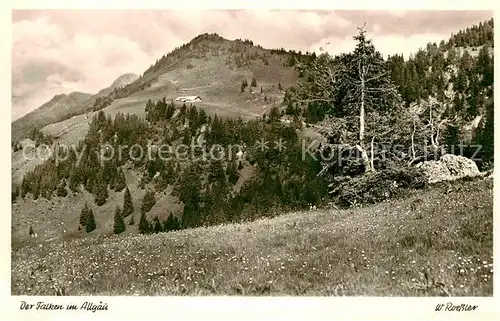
442 94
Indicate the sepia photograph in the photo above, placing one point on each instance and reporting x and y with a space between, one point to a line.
196 152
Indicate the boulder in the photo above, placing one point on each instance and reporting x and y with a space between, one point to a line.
449 167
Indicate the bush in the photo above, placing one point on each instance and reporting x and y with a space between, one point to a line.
61 189
375 187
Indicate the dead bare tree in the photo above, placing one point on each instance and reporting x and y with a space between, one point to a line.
436 125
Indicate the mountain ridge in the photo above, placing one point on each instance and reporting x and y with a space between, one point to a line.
63 106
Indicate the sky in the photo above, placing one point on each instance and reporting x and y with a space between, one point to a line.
61 51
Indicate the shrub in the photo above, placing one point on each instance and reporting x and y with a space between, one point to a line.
61 189
375 187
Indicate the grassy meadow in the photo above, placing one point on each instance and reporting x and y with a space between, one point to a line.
437 242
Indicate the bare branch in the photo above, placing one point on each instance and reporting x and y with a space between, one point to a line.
376 77
362 27
315 99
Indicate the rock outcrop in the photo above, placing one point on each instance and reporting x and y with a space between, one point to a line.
449 167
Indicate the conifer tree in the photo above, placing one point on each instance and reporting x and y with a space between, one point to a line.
189 194
119 224
128 206
368 86
216 171
144 226
90 221
168 225
485 66
101 193
232 172
83 215
274 114
176 225
120 182
157 225
244 84
148 201
74 179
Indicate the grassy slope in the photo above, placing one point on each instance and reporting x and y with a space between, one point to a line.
380 250
58 218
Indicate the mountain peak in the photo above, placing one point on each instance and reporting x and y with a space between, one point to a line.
58 97
123 80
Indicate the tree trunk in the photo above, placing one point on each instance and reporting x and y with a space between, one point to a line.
412 145
364 156
372 167
362 115
361 146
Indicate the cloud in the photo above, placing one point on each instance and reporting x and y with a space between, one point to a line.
59 51
47 61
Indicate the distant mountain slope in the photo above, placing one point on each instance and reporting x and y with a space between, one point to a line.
63 106
49 112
